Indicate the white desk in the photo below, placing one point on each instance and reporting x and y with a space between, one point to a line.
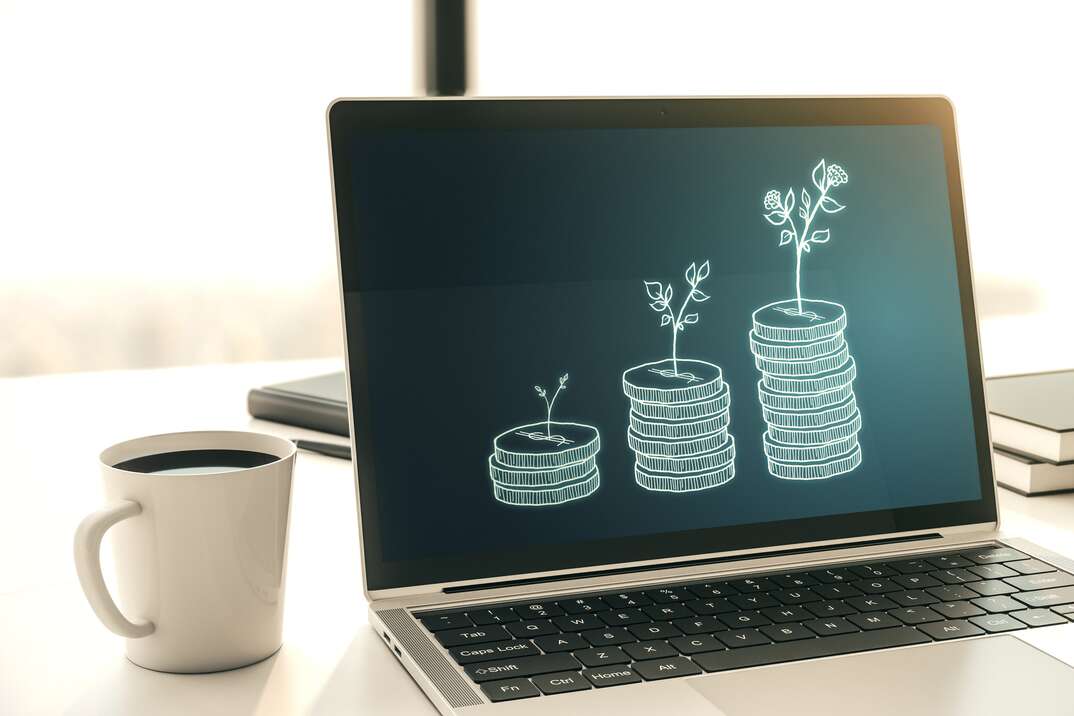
55 657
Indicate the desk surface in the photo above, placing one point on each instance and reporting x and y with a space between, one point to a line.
55 657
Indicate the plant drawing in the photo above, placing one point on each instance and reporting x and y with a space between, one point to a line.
780 212
661 303
549 403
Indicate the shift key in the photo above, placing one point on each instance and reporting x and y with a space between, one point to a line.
473 635
522 666
1046 597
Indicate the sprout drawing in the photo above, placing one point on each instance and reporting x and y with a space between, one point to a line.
661 303
548 403
779 213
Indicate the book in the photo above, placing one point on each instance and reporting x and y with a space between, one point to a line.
317 403
1034 414
1029 475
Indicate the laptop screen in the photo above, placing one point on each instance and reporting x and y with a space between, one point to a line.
568 340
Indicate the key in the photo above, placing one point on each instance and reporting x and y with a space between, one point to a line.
668 595
708 590
699 625
877 586
1046 597
836 591
624 617
561 682
667 612
875 620
536 627
992 571
498 615
916 581
739 638
991 555
608 637
796 596
1048 580
873 571
747 586
911 566
578 622
643 650
522 666
754 601
509 690
700 643
954 629
915 615
871 604
831 576
666 668
994 623
952 593
560 642
830 627
656 630
830 608
744 619
954 576
473 635
792 581
997 604
913 598
626 600
602 656
582 605
611 676
537 610
787 632
493 650
1030 566
782 615
949 561
440 622
957 610
1038 617
718 605
1066 610
810 649
991 587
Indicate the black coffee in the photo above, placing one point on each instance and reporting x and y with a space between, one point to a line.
196 462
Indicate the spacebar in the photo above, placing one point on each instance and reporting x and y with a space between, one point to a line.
809 649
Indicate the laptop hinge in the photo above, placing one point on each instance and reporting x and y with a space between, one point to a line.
500 584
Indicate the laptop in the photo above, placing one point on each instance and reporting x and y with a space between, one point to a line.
676 406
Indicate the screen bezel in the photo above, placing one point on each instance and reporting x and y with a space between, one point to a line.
347 118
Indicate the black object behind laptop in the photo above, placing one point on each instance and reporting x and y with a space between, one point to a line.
317 403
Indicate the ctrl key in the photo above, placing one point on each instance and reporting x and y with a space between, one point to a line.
510 690
561 682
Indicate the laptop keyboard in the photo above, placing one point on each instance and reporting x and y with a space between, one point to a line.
596 640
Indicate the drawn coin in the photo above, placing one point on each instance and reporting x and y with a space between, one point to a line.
808 453
539 445
804 368
679 429
540 477
676 448
841 376
785 350
816 436
683 481
812 401
540 497
816 418
816 470
780 321
694 463
659 383
706 408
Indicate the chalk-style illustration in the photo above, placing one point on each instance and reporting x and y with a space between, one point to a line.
545 463
807 372
680 409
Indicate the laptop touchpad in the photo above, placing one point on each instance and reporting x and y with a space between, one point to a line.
997 675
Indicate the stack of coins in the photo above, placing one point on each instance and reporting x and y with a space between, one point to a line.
679 420
806 389
545 464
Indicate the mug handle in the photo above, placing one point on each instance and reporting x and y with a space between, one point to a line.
88 538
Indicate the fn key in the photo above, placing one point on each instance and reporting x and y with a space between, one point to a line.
510 689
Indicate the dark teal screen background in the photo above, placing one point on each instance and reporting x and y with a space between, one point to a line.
490 261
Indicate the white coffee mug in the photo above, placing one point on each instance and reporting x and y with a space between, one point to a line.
200 558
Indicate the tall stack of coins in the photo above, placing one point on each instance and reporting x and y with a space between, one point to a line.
806 389
680 413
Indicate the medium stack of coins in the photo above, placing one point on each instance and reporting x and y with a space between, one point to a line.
679 420
545 464
806 389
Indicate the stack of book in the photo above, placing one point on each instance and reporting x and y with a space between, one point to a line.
1032 423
